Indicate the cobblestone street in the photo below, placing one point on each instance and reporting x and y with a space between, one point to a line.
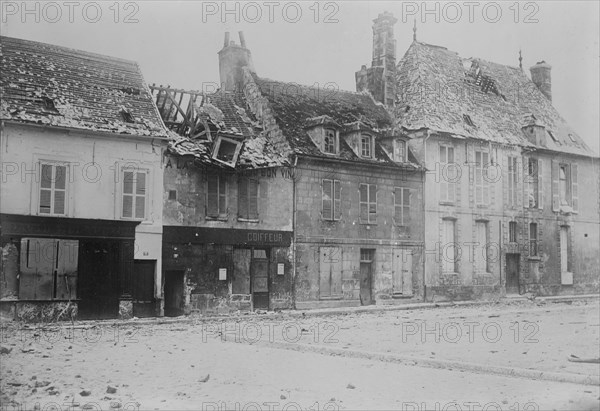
194 364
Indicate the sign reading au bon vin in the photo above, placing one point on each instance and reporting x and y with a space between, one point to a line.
203 235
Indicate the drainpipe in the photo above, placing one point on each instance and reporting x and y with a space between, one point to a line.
294 232
423 253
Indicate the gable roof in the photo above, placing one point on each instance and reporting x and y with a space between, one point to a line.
297 106
227 114
437 90
62 87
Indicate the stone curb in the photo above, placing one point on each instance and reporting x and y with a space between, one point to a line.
582 379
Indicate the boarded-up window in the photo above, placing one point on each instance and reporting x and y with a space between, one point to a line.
402 205
134 194
248 198
448 174
53 189
216 204
330 272
48 269
448 250
368 203
332 199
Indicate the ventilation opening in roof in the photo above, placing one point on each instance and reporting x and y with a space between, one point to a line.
49 104
131 90
127 117
468 120
551 134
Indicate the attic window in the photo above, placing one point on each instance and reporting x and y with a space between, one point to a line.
330 141
226 150
468 120
366 146
126 116
49 104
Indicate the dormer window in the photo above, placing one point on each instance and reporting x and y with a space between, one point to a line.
226 150
366 146
400 151
330 141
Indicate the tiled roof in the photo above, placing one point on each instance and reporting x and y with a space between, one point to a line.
227 115
57 86
439 90
296 106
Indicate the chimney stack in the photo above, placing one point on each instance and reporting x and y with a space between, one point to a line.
542 78
380 78
232 58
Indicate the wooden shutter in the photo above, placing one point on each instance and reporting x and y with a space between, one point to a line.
555 187
327 199
406 203
253 199
398 205
243 197
60 181
127 194
364 206
526 179
540 180
36 274
66 266
372 203
212 196
140 195
337 199
574 188
222 195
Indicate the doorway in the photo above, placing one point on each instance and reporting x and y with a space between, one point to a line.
98 286
259 274
512 273
402 272
143 288
173 293
366 275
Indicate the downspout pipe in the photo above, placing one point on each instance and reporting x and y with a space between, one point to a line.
423 179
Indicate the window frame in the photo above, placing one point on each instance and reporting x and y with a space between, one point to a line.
512 232
335 199
449 222
325 140
369 139
482 260
533 240
220 196
133 194
217 147
405 192
566 198
513 179
533 182
66 190
482 184
248 198
370 204
447 187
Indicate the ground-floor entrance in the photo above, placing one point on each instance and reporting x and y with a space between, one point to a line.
512 273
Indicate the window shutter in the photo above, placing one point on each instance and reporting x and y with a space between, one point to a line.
140 199
253 199
364 206
327 199
372 203
540 174
243 198
574 188
506 186
337 200
212 197
526 179
519 173
406 200
128 194
555 191
222 195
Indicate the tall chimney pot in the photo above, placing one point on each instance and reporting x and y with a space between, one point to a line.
542 78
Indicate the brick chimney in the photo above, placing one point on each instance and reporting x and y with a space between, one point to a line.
541 77
232 58
380 78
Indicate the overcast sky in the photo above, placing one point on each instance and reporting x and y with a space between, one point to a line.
176 42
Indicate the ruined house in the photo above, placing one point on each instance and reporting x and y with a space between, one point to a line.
81 192
504 207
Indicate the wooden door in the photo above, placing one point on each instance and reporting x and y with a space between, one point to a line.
366 275
259 272
512 273
330 272
402 271
143 288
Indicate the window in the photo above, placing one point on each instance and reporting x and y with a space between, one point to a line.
216 196
512 181
401 205
564 184
368 203
332 200
248 198
48 269
329 142
172 194
482 188
533 183
448 250
448 174
400 150
468 120
367 255
482 239
366 142
134 194
226 150
512 232
126 116
533 240
53 189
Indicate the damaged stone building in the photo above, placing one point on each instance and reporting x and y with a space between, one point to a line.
504 207
228 194
81 192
